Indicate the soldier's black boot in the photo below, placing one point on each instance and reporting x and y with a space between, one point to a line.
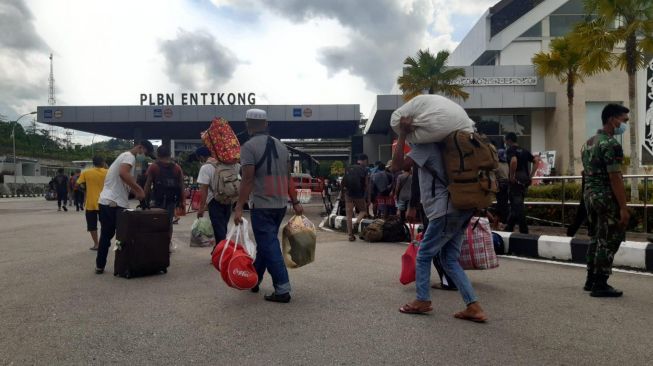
602 289
589 282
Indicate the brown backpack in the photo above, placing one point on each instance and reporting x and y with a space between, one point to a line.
471 162
374 231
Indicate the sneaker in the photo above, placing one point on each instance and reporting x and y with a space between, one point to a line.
99 270
284 298
65 209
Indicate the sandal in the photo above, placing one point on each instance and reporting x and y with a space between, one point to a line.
475 318
410 309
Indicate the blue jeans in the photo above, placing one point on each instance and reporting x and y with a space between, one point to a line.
444 235
265 224
219 215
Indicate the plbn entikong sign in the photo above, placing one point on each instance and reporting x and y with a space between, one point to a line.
198 99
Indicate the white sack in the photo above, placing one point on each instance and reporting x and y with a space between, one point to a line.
434 118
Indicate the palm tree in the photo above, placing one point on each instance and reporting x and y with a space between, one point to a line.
570 62
624 30
427 72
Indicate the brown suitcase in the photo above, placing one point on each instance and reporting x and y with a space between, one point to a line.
143 240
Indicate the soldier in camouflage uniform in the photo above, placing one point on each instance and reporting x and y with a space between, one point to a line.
605 199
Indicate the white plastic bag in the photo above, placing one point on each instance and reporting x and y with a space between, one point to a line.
298 242
201 233
434 118
249 245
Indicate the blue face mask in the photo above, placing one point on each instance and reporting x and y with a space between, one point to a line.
621 129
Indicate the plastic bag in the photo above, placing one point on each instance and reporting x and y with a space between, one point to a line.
434 118
201 233
298 242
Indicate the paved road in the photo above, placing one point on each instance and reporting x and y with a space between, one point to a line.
55 310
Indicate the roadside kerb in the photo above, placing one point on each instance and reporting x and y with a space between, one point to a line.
631 254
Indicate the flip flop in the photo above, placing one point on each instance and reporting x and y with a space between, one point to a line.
410 309
475 319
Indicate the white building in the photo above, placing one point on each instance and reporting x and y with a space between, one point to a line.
506 95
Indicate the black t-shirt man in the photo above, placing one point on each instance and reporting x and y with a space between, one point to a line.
524 158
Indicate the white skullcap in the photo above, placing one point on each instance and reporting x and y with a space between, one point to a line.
256 114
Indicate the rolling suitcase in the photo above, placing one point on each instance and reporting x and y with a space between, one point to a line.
143 243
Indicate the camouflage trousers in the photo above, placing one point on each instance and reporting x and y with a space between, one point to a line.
606 236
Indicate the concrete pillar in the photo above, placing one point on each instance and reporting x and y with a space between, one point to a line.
138 134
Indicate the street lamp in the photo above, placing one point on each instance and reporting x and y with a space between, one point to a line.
13 137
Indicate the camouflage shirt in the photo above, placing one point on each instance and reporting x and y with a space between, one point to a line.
601 155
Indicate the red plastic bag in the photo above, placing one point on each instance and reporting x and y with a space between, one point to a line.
221 140
408 260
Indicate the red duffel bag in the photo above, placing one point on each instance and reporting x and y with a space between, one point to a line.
221 140
234 258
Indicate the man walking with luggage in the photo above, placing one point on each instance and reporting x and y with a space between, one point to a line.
266 176
168 180
115 196
605 198
61 186
219 213
93 181
356 184
445 231
519 177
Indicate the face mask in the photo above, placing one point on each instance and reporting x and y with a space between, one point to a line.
621 129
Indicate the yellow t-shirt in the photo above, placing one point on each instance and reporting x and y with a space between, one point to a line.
94 179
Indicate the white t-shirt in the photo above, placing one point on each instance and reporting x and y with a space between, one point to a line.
114 188
204 177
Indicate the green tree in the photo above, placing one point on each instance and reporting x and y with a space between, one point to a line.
570 62
337 168
623 31
429 73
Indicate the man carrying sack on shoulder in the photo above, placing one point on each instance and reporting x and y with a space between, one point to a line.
266 178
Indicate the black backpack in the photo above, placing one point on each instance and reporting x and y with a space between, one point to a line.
352 181
166 185
394 230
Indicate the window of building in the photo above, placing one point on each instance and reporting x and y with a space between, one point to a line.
563 24
571 7
535 31
497 126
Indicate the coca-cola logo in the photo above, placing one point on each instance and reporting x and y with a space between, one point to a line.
241 273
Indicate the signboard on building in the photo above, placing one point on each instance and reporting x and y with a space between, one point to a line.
497 81
198 99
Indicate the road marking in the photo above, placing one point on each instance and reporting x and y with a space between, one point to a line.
573 265
321 226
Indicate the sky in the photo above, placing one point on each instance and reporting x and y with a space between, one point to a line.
285 51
